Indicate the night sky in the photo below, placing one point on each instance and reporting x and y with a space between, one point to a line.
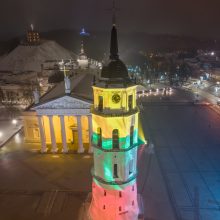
188 17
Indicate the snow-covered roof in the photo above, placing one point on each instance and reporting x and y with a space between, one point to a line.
26 58
81 87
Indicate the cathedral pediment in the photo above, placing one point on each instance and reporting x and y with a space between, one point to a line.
65 102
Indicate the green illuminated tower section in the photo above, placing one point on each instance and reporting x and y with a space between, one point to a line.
115 142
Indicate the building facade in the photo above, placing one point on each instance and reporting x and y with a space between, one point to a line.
61 122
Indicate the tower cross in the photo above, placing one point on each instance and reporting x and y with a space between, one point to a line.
114 9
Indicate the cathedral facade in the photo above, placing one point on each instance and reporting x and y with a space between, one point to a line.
60 121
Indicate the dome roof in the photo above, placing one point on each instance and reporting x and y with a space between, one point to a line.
114 69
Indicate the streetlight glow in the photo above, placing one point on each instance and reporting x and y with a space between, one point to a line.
14 121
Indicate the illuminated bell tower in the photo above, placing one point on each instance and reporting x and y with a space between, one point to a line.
115 142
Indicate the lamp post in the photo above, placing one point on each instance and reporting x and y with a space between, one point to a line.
14 122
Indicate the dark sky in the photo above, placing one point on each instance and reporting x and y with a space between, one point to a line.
188 17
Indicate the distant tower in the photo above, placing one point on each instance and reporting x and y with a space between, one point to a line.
33 37
115 141
82 58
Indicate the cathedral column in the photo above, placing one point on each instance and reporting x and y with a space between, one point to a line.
63 133
52 134
42 135
90 133
79 127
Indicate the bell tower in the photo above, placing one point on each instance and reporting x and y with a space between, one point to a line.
115 141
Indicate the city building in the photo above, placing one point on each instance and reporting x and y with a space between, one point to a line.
60 120
115 142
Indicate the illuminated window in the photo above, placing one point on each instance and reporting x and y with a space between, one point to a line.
99 136
131 135
115 139
130 102
115 171
100 106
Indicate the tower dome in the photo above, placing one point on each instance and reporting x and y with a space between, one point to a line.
114 69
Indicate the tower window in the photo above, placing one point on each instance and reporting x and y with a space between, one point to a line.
132 203
130 102
120 194
115 139
115 173
131 135
119 208
99 137
104 193
103 206
100 105
132 188
130 167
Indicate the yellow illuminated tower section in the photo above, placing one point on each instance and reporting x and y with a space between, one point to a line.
115 141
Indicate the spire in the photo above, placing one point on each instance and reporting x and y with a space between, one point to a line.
114 38
32 27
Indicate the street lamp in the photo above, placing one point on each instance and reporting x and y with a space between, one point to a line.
14 122
1 134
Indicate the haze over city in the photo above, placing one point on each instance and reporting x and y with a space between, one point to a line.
109 110
183 17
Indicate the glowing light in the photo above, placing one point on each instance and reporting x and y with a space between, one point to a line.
1 134
141 136
14 121
83 32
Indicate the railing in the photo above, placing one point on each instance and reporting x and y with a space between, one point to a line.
115 182
116 150
113 112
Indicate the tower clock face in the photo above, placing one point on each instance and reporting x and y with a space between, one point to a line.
116 98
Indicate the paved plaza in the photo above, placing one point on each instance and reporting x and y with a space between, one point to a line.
187 146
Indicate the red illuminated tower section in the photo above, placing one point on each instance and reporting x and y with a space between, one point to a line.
115 141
